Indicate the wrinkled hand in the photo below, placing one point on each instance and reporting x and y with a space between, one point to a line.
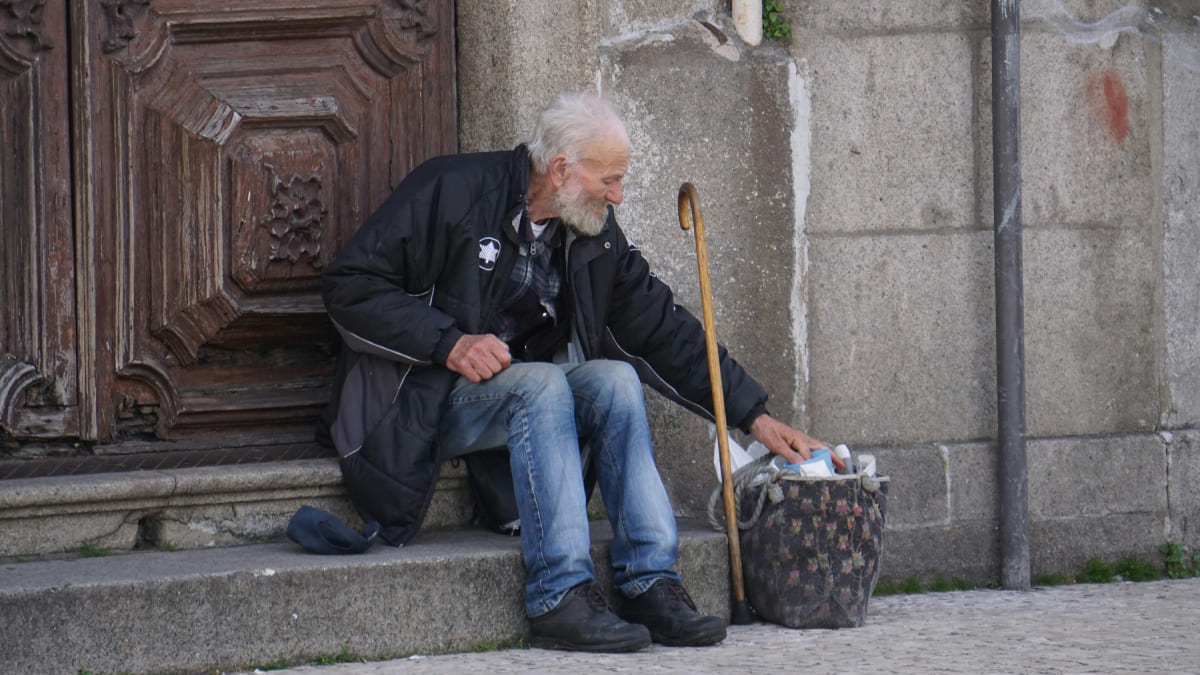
478 357
792 445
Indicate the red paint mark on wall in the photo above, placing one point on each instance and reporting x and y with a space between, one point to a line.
1109 103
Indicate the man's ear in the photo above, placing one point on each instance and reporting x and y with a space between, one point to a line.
558 171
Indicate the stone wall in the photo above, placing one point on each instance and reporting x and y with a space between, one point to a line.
845 180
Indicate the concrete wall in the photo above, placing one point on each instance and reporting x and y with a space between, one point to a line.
845 180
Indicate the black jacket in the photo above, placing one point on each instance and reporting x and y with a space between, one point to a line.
424 270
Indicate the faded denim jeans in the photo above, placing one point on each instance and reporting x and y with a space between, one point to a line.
543 411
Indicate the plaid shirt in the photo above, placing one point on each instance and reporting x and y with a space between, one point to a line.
530 298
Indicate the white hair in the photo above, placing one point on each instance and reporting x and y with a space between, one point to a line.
569 124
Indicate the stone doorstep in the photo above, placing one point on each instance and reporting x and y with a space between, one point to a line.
188 508
230 608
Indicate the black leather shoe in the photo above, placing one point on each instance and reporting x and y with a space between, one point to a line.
668 611
582 621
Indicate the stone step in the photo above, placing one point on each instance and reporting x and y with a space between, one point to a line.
236 607
188 508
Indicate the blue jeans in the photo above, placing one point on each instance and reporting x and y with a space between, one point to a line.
543 411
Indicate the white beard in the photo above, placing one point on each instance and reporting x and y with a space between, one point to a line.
587 219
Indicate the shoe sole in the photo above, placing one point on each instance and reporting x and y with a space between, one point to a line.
705 638
711 634
619 647
702 641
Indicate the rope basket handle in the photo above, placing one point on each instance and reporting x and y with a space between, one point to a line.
742 480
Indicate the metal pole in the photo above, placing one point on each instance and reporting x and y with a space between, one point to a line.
1010 330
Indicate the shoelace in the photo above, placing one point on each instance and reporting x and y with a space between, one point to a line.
595 598
678 592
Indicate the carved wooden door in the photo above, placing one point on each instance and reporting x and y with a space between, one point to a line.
38 350
222 153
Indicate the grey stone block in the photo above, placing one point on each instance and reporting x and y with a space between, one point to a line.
188 508
1100 21
970 550
881 15
1181 236
683 452
919 484
1087 123
1049 14
1091 342
513 57
1065 545
1183 489
695 115
232 524
628 16
917 15
1103 497
46 534
183 612
897 354
199 611
974 480
1085 478
890 113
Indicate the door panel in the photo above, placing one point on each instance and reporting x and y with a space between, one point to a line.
37 285
230 152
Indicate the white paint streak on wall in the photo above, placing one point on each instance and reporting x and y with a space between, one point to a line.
1151 24
801 100
1127 19
945 451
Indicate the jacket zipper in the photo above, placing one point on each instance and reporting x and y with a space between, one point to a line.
496 285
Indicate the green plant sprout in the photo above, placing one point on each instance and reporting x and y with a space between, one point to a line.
775 24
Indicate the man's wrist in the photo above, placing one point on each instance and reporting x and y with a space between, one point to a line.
441 351
757 411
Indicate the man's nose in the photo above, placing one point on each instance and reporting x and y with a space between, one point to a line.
613 194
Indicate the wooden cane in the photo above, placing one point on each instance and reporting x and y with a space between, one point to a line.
689 215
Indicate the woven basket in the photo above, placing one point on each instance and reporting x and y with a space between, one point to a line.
810 547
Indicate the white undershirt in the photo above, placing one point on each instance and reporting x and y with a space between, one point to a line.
534 227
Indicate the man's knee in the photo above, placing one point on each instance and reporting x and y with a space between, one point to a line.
616 381
621 372
536 379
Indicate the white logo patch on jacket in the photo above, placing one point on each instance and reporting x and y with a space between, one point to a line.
489 251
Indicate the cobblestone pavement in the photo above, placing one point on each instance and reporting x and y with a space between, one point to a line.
1148 627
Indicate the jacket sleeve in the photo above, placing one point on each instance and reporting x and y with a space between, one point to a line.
378 290
646 322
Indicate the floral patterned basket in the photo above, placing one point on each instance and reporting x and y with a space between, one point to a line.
810 546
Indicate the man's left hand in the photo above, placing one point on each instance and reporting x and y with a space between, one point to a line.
793 445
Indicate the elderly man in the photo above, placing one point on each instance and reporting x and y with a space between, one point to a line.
493 301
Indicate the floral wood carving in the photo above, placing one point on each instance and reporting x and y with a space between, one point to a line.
297 218
120 20
22 20
412 16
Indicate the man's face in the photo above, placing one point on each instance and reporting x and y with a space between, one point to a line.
592 184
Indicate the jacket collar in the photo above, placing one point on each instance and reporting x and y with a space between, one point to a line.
518 187
584 249
519 170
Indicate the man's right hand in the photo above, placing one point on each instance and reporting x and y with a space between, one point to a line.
478 357
792 444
